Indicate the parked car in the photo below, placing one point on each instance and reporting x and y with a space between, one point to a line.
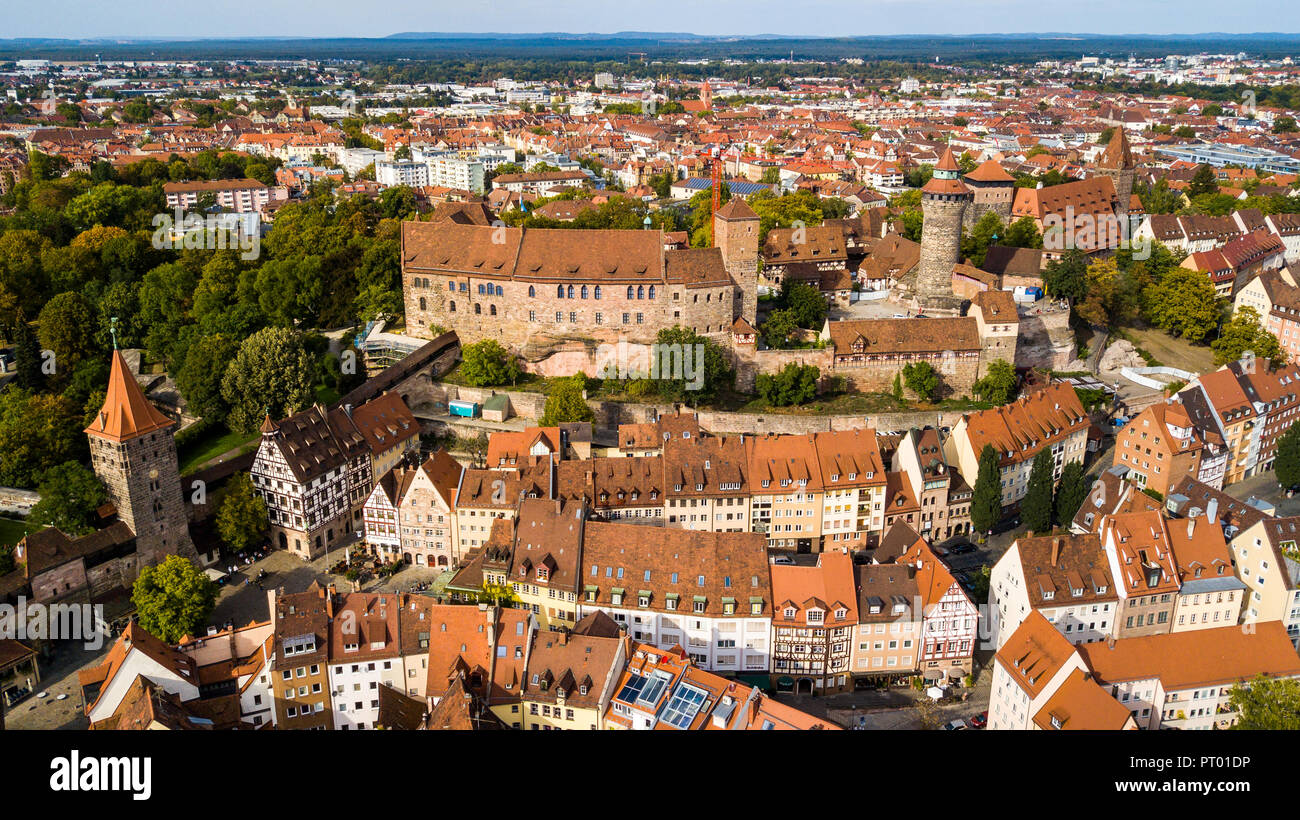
955 725
980 721
962 548
782 559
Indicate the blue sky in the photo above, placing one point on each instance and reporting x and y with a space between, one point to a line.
335 18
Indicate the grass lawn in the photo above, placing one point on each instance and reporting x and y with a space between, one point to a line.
210 445
1172 352
12 531
327 395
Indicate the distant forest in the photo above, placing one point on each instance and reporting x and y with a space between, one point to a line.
633 48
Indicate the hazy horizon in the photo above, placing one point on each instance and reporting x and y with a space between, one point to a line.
143 19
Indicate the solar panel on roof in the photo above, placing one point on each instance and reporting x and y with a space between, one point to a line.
632 689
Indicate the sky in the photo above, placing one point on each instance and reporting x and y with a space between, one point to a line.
357 18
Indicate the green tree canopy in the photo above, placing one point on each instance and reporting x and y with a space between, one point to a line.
922 379
488 364
564 403
173 599
1036 508
1266 703
1071 493
241 515
792 384
986 498
1286 465
1244 332
70 494
1183 303
272 373
999 383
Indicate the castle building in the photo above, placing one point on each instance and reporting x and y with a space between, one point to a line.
133 452
543 292
944 201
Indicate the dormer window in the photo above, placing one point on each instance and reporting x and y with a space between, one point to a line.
789 612
542 574
840 614
816 616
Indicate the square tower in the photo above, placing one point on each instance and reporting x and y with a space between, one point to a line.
735 233
133 452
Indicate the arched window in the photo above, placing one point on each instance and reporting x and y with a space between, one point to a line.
570 291
640 291
451 307
477 308
652 291
532 292
597 291
499 291
559 291
584 291
451 285
480 290
629 291
422 305
492 309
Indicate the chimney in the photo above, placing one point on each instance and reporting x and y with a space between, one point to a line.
1056 550
1212 510
347 408
1191 527
564 637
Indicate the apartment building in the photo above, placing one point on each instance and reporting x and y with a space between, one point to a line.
1267 561
942 495
537 553
1209 592
709 592
707 486
1183 680
300 668
786 481
813 624
1065 578
887 642
1036 666
1048 418
1217 404
410 514
1146 577
665 689
951 619
365 652
1159 445
241 196
854 479
1275 394
569 680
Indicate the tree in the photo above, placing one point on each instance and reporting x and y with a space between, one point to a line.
805 303
692 385
1036 509
986 498
976 242
272 373
999 383
1071 493
173 599
241 516
777 328
1244 332
1266 703
792 384
565 403
70 494
27 355
1203 182
66 324
1183 303
1284 125
199 378
1066 278
37 431
487 364
922 379
1286 466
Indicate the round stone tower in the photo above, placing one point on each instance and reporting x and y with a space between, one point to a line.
944 200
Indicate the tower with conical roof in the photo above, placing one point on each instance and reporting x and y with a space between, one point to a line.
944 200
133 452
992 189
1117 163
